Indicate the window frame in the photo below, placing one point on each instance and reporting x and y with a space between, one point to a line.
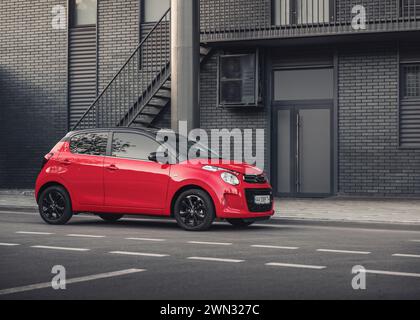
72 15
111 141
293 14
402 100
257 93
88 133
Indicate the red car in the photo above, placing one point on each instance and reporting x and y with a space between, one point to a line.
112 172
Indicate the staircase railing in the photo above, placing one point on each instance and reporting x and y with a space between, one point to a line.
134 81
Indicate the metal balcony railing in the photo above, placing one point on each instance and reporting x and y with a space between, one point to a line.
295 18
135 84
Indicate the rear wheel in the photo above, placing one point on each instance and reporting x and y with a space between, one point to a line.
194 210
240 223
55 206
111 217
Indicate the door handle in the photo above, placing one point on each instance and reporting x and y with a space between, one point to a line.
112 167
65 161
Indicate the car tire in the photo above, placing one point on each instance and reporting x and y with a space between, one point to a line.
54 205
111 217
240 223
194 210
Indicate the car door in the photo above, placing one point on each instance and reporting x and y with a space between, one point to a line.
82 167
131 180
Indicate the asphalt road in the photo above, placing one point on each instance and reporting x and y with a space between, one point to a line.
154 259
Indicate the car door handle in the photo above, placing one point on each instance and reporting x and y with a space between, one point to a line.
112 167
65 161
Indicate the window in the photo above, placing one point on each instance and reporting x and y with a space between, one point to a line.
238 79
154 9
410 105
288 12
133 146
89 143
304 84
409 8
83 12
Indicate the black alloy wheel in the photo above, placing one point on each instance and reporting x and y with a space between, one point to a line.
55 206
194 210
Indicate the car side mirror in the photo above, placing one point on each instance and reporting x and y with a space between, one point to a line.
153 156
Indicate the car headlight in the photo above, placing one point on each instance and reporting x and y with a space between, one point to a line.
229 178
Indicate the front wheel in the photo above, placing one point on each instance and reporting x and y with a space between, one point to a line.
111 217
194 210
240 223
55 206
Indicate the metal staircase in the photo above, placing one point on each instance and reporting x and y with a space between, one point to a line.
141 89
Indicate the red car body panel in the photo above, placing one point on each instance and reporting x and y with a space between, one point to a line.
102 184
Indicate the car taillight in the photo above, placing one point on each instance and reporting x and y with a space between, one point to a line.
46 158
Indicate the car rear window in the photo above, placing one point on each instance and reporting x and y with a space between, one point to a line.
89 143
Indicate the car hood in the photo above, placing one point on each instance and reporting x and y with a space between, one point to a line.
242 168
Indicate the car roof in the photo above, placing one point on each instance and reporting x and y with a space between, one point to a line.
148 131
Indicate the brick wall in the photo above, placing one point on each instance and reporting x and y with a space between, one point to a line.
118 33
370 161
33 92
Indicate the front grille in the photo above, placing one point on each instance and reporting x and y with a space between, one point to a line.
253 178
252 206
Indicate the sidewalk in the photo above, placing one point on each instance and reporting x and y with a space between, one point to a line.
396 211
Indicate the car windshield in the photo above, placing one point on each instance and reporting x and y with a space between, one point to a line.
195 150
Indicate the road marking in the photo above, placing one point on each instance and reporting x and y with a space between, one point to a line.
273 247
146 239
71 281
84 236
215 259
290 265
406 255
32 232
392 273
211 243
158 255
60 248
343 251
415 240
8 244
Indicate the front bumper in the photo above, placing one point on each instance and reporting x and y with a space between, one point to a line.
238 202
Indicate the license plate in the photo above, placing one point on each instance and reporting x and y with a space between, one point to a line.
262 199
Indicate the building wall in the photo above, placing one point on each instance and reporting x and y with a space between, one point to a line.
33 88
370 160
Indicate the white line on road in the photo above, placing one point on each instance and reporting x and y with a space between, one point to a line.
211 243
8 244
406 255
343 251
215 259
70 281
273 247
392 273
415 240
290 265
146 239
84 236
60 248
158 255
32 232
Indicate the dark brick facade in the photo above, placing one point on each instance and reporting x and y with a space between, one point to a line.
370 160
33 91
33 88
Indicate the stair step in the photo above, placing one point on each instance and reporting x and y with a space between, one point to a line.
142 122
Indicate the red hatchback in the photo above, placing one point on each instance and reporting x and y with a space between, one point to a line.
113 172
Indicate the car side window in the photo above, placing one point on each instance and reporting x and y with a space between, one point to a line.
133 146
89 144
